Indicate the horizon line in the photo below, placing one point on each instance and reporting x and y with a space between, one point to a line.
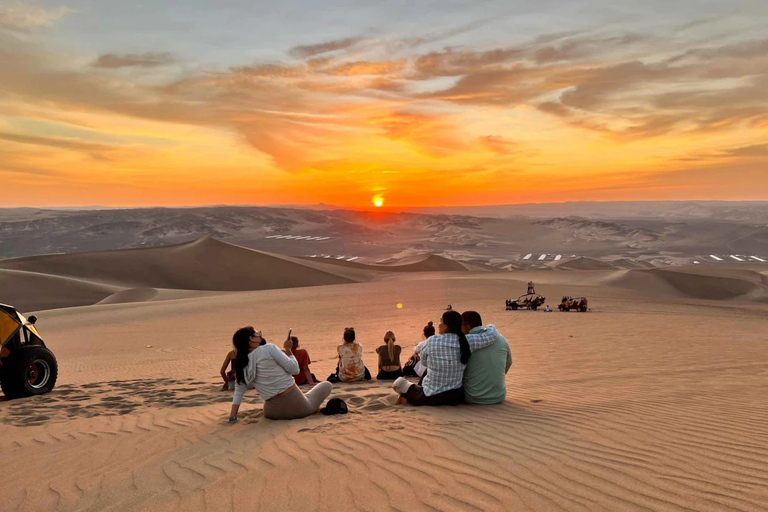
371 207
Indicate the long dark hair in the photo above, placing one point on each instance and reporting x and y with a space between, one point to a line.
452 319
429 330
242 342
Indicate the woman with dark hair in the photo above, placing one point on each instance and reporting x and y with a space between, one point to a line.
445 356
427 332
271 372
389 358
351 367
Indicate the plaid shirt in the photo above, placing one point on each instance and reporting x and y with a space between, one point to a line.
442 357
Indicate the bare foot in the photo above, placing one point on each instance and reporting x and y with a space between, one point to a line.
401 400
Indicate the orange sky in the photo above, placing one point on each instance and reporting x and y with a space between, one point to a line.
340 110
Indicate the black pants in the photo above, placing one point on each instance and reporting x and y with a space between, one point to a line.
382 375
415 395
334 377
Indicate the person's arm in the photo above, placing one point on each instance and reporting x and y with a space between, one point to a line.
483 339
509 359
282 358
308 375
424 354
224 366
237 399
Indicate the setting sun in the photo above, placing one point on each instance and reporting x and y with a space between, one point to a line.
378 202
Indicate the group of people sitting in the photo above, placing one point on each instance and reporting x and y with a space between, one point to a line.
463 362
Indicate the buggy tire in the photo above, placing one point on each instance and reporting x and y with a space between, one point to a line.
29 371
514 306
534 307
583 309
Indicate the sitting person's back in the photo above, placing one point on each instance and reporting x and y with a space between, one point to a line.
484 376
428 331
305 376
351 367
389 358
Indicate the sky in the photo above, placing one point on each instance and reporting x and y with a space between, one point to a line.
411 103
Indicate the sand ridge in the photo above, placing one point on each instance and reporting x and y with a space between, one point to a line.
205 264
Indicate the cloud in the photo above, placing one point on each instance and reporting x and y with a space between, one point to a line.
23 17
94 149
752 151
500 145
133 60
367 68
578 48
311 50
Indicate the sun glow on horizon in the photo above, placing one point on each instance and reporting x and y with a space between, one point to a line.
378 201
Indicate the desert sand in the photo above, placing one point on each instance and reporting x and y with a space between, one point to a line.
653 400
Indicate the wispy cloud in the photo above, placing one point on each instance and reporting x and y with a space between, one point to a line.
21 16
311 50
133 60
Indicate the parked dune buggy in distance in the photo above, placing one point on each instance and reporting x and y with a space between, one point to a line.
27 367
573 304
527 301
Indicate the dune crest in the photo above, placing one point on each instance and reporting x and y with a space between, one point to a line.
130 275
697 283
582 263
130 295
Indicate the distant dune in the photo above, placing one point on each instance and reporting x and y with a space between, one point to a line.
581 264
32 291
131 295
418 263
133 275
205 264
710 283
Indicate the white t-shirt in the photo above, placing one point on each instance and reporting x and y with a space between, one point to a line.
269 370
418 367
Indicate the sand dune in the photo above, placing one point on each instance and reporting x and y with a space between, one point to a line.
710 283
580 263
423 263
648 402
627 264
30 291
417 263
205 264
130 295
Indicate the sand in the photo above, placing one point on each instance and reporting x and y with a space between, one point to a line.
654 399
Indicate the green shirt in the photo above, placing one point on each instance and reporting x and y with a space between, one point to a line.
485 372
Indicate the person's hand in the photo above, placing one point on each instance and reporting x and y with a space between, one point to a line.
287 346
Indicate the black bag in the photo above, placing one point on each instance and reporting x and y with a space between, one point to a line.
335 406
409 370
